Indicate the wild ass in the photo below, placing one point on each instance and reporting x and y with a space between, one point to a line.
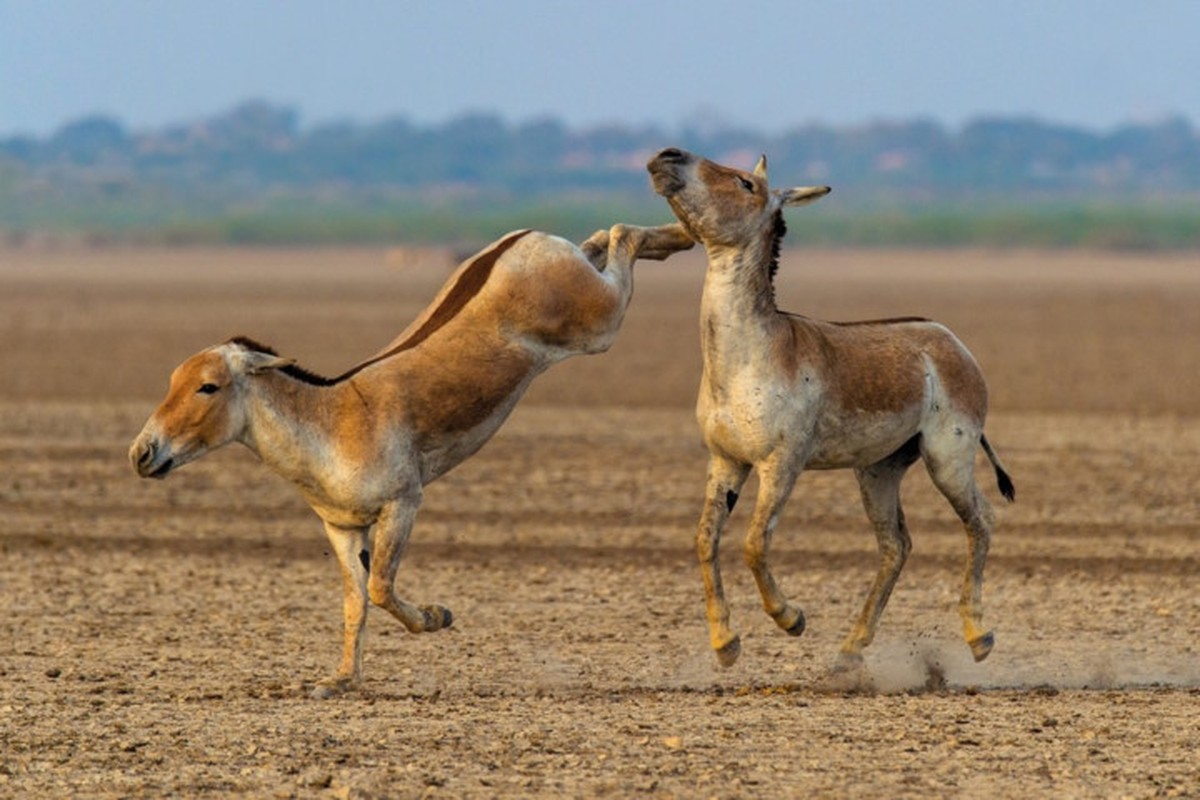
361 446
781 393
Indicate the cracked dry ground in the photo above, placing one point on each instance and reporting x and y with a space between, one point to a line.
159 638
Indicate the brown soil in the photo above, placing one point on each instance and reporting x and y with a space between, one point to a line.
160 638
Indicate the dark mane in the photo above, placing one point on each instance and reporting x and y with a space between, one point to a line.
291 370
307 376
887 321
777 234
250 344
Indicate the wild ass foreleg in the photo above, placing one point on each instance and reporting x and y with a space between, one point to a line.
389 539
775 484
725 479
879 485
350 545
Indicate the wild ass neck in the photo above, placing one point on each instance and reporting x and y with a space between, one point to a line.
283 423
737 308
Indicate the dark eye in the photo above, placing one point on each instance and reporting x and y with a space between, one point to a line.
208 388
747 184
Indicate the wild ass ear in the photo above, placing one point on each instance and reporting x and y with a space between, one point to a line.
800 195
760 169
254 362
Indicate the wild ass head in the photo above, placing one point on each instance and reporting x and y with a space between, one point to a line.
723 206
204 407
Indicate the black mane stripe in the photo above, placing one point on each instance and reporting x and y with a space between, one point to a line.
251 344
777 234
887 321
307 376
864 322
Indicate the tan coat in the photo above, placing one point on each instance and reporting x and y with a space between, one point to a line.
361 446
782 393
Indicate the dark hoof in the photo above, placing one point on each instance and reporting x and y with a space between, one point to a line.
792 626
437 618
728 653
982 646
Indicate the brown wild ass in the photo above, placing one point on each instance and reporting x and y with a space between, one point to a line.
781 393
361 446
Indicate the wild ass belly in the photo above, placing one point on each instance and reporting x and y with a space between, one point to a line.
443 450
860 438
799 424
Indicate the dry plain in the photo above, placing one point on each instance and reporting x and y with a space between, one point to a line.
159 638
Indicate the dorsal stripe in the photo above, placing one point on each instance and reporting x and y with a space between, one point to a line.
888 321
470 281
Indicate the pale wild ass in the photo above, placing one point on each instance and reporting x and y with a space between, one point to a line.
361 446
781 393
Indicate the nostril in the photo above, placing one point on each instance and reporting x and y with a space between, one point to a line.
147 454
671 154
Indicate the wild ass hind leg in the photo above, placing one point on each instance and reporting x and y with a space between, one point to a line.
662 242
950 460
725 479
775 482
879 485
350 545
389 540
656 244
602 297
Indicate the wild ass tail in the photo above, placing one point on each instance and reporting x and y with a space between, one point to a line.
1002 479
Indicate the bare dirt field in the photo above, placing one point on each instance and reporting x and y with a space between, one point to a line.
160 638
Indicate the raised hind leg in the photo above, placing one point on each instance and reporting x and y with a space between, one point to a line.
662 242
879 485
389 539
725 479
656 244
601 297
350 546
950 458
775 482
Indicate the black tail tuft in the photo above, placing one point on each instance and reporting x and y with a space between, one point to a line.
1002 479
1006 485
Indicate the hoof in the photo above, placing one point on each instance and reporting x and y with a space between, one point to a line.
982 646
846 663
728 653
792 627
849 674
437 618
332 687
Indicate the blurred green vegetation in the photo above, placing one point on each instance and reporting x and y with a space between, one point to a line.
1055 226
254 176
1110 227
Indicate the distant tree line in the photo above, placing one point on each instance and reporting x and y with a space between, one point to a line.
258 159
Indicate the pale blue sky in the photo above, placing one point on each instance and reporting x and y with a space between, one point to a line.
769 65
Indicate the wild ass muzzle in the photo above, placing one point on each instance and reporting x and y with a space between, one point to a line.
360 447
781 393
